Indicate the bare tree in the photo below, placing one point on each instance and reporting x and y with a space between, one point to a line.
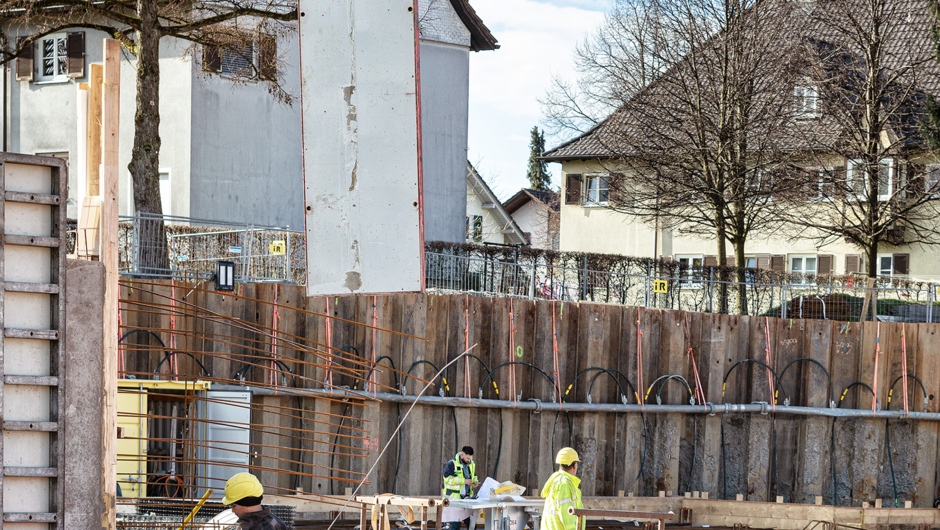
236 29
866 181
703 113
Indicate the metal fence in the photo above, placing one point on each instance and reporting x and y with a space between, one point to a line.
699 289
193 246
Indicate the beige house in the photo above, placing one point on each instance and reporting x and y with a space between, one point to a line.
589 225
593 163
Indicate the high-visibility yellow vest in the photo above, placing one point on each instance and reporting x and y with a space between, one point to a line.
454 483
561 492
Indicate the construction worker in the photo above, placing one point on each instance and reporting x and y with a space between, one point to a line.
460 477
561 492
244 492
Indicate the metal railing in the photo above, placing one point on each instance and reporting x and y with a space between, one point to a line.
700 290
193 246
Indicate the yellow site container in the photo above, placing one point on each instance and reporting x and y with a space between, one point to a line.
132 430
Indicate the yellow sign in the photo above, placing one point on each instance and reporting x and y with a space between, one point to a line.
277 247
660 286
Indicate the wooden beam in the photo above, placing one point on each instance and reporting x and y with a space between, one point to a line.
93 145
110 114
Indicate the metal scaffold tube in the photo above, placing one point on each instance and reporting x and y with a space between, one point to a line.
539 406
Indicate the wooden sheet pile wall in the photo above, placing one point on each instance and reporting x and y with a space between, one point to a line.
757 456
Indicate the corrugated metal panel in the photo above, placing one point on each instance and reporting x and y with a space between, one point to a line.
226 438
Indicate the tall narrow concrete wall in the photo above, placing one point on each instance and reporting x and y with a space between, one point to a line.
84 305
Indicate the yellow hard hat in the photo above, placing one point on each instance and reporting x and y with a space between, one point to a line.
565 457
240 486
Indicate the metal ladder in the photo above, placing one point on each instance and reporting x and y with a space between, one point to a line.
33 192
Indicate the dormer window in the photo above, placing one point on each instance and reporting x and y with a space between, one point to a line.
805 101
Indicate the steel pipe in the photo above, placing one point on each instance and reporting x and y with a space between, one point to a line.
708 408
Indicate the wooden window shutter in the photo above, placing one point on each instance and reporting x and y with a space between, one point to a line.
763 261
267 58
615 186
24 63
573 189
729 261
853 262
75 46
839 182
902 264
778 263
824 264
211 58
711 261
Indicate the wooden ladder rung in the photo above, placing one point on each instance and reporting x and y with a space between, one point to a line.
31 287
31 241
31 380
35 426
33 198
44 334
37 517
30 472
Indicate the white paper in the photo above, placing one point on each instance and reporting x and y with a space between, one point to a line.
485 488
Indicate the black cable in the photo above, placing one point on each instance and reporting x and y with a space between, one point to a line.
894 481
831 401
166 352
779 386
446 391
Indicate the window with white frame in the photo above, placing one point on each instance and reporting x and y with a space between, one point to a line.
819 185
805 101
885 265
53 60
690 268
253 57
932 180
596 190
803 264
857 176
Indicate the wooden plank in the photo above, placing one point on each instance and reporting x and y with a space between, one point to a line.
31 380
927 350
110 120
31 241
38 334
32 198
813 473
29 287
93 156
31 426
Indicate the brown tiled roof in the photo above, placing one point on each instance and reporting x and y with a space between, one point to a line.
611 137
547 198
480 36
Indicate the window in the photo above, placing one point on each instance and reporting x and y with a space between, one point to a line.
53 58
892 265
803 264
249 58
475 228
166 196
805 101
690 268
596 191
858 179
932 180
819 185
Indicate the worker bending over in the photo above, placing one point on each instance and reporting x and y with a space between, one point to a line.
561 492
244 492
460 477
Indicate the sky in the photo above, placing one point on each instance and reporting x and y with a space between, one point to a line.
536 38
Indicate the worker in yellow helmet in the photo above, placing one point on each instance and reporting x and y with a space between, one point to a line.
560 492
244 492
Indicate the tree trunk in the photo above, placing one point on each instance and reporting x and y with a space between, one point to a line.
740 261
722 249
151 251
871 256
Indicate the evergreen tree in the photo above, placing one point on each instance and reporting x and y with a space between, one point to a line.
931 126
538 175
